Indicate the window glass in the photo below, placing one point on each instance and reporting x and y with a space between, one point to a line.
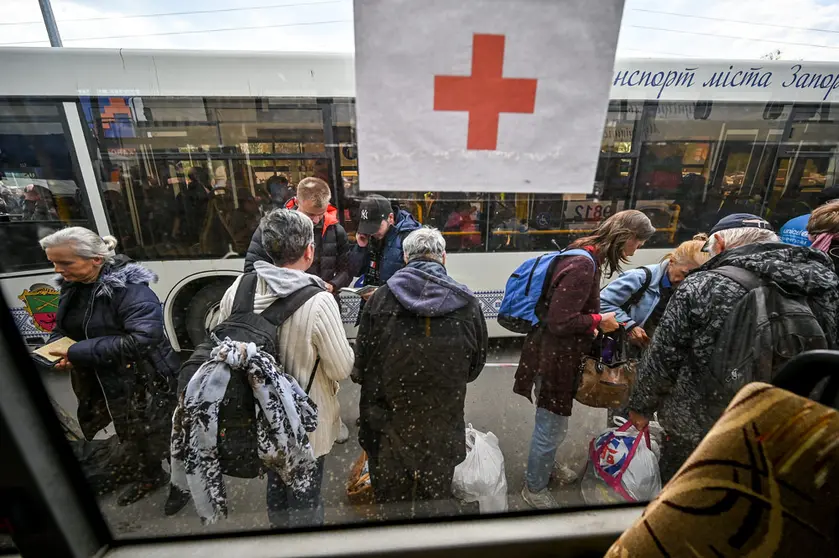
189 177
806 164
39 181
184 183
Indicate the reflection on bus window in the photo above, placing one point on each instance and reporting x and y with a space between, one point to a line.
190 178
39 186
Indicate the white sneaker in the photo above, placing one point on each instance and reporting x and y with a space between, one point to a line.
563 475
542 500
343 434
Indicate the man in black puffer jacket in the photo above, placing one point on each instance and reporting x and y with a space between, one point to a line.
422 338
331 245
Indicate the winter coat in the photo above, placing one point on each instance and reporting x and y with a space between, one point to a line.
314 331
392 259
671 375
617 293
125 357
554 348
422 338
332 250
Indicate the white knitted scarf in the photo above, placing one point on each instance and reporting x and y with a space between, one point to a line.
284 415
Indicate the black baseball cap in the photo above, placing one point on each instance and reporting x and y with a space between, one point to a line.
737 221
374 210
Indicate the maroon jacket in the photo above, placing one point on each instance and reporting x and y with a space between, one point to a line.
554 348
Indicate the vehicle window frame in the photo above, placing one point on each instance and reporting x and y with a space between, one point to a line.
85 203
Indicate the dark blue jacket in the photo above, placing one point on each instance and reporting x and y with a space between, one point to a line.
392 259
125 351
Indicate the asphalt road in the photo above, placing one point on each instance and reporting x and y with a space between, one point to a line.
490 406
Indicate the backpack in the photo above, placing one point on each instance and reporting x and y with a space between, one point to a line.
765 329
639 294
237 416
529 286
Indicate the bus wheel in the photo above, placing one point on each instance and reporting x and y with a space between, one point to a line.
202 313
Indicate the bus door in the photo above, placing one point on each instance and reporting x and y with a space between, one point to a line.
802 173
739 178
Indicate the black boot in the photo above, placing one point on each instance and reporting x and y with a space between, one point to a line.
176 501
136 491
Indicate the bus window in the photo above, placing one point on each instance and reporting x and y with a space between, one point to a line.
702 161
189 177
39 184
806 165
541 222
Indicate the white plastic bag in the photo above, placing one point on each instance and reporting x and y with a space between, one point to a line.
620 475
481 478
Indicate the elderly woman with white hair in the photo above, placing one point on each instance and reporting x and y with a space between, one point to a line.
122 367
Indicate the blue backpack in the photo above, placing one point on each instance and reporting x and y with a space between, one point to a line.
527 286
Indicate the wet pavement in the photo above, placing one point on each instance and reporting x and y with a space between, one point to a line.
491 405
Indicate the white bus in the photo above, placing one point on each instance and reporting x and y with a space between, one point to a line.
120 141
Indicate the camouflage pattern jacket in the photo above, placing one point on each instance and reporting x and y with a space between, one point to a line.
670 375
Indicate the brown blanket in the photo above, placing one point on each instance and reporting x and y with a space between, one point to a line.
763 482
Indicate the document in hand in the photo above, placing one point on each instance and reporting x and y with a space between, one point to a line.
360 291
43 353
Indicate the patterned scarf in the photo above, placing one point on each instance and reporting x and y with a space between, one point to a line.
284 414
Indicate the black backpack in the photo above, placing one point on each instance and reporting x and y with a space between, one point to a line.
765 329
636 297
237 417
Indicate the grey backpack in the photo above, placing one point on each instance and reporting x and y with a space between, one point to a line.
765 329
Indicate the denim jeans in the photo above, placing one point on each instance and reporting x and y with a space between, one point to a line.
549 431
287 508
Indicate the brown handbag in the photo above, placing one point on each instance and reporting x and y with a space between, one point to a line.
606 384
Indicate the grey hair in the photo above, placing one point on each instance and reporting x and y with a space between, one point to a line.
314 190
86 243
734 238
285 235
426 243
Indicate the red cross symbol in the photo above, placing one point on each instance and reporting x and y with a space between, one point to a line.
486 93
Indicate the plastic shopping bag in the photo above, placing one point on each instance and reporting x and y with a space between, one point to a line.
481 478
622 467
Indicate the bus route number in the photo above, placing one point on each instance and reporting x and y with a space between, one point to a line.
593 211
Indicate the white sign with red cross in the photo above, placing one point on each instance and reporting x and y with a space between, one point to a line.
482 95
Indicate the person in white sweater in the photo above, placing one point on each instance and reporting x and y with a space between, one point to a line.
313 332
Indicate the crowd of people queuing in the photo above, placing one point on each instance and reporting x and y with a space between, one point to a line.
422 338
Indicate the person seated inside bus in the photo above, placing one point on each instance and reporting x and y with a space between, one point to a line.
38 204
381 231
11 206
332 248
191 205
280 190
463 222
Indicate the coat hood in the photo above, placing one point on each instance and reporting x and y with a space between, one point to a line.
116 275
424 288
284 281
794 268
405 222
330 218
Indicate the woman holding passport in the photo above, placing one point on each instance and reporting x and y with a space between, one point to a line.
111 340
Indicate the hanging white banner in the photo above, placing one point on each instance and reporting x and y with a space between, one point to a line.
482 95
